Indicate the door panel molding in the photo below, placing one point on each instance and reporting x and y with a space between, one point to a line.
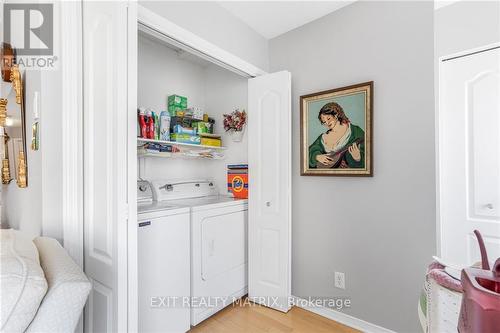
99 289
479 164
268 137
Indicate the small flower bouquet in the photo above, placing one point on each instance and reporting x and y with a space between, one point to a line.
235 121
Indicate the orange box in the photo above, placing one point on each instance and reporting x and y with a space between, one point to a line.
237 183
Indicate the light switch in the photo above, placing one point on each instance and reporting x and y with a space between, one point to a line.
36 105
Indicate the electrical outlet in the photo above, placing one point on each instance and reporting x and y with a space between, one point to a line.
340 280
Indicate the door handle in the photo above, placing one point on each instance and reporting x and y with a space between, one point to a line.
268 203
211 248
489 206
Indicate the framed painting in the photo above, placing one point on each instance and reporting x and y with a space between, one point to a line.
336 132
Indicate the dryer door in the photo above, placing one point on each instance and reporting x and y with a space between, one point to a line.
223 245
219 259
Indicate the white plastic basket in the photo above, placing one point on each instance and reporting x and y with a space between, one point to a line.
443 308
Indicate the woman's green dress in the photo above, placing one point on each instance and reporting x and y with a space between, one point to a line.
317 148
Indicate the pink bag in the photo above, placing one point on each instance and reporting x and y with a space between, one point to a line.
480 311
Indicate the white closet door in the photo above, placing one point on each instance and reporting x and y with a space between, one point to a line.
269 212
105 163
469 151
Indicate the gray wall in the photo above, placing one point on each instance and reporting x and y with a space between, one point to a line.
217 25
380 231
466 25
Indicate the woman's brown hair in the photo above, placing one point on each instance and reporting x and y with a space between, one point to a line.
335 110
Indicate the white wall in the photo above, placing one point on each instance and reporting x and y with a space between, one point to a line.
212 22
380 231
226 91
162 72
37 208
51 154
50 139
22 207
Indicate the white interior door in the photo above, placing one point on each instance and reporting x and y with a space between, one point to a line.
469 156
269 212
105 163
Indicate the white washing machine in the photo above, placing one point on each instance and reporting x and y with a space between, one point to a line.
219 265
163 264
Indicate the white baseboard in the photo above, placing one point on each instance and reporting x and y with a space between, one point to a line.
340 317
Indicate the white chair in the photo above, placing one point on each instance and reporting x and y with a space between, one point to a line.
43 289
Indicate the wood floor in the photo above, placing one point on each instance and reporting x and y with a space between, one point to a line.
253 318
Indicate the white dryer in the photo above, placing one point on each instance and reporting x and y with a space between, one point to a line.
219 267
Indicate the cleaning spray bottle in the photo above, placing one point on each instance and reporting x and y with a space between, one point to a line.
143 133
150 124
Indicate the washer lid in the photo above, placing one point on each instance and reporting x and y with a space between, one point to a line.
208 202
153 206
183 189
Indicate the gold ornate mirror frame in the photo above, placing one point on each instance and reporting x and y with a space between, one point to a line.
6 179
22 169
18 84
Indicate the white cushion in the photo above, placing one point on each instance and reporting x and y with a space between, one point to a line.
22 281
68 290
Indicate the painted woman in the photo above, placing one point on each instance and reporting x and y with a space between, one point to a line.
342 145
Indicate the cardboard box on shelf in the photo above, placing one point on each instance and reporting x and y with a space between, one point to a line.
211 142
196 112
173 110
202 127
185 138
178 129
184 122
177 100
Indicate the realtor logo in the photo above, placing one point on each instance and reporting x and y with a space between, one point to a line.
29 28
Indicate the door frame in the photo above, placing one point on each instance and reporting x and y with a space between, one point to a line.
72 130
438 125
132 273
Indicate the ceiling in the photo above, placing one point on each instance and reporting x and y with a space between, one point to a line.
273 18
